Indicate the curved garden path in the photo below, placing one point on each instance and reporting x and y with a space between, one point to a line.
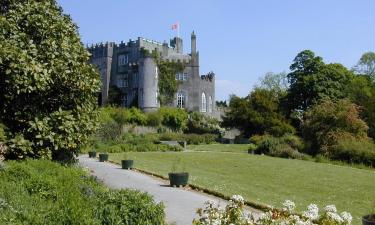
180 204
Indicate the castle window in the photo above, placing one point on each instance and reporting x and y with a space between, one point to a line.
124 99
204 103
181 99
122 81
181 76
210 104
123 59
184 76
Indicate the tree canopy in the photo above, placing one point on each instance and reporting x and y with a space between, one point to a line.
48 90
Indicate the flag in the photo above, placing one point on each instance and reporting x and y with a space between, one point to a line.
175 26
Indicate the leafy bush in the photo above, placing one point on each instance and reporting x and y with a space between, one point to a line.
354 152
154 119
48 90
201 124
328 122
147 147
287 146
42 192
174 118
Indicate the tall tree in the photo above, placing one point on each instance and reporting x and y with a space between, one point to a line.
311 80
366 65
277 82
257 113
47 87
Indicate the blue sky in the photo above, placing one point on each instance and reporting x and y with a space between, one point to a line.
239 40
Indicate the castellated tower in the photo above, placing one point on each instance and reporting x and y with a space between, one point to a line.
129 67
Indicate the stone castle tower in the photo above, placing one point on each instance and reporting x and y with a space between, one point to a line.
125 66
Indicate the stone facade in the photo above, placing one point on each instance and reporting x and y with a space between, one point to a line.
126 66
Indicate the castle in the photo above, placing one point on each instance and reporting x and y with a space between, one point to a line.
126 66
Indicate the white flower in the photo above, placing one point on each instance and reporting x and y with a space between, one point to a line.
330 208
312 212
347 217
237 198
289 206
334 217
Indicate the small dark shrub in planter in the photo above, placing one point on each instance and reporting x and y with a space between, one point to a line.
92 154
103 157
127 164
368 220
178 179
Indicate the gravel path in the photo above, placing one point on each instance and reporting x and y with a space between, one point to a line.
180 204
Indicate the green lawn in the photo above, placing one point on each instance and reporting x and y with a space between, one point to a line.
237 148
269 180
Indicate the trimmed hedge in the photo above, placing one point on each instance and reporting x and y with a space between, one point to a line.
42 192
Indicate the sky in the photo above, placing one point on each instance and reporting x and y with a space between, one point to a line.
239 40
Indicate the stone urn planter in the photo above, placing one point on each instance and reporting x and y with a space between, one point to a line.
103 157
127 164
368 219
178 179
92 154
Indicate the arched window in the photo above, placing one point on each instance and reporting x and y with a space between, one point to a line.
181 99
204 103
210 104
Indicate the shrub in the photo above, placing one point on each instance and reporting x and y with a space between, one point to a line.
174 118
353 151
42 192
287 146
154 119
327 122
48 90
201 124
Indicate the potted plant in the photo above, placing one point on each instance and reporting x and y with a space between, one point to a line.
103 157
368 219
92 154
127 163
178 177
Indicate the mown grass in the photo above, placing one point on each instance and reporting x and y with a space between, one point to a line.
269 180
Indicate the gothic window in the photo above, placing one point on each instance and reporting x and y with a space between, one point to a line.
181 100
123 59
210 104
122 81
204 103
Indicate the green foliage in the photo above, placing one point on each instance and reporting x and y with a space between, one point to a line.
276 82
47 87
257 113
328 122
354 151
168 85
221 103
154 119
174 118
287 146
191 139
311 80
42 192
200 124
366 65
362 93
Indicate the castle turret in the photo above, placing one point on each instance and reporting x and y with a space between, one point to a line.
148 96
176 43
193 43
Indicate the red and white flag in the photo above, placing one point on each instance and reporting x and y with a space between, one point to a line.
175 26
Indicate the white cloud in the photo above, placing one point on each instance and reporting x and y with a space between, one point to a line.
224 88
